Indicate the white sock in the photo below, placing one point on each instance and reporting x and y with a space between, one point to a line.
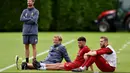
42 68
83 68
43 64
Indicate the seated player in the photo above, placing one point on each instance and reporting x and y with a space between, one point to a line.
56 54
69 65
104 58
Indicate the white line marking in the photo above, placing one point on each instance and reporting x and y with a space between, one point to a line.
42 53
123 47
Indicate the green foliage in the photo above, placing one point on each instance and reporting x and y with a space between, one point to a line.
55 15
45 15
10 14
78 15
11 45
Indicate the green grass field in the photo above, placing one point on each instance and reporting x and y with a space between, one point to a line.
11 45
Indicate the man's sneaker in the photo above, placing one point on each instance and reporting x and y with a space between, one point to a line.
36 64
18 62
77 70
24 66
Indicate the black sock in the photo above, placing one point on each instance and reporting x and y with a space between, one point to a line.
27 60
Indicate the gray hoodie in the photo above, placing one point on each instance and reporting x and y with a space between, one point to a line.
30 18
56 54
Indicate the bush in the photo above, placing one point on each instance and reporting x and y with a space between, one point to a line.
55 15
77 15
45 15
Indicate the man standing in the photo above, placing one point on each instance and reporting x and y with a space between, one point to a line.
105 58
69 65
30 28
56 54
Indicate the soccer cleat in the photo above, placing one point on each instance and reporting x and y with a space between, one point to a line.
77 70
36 64
24 66
16 62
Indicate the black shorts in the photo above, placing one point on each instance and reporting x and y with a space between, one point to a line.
30 39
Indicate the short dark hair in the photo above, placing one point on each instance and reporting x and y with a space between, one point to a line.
105 38
33 1
81 39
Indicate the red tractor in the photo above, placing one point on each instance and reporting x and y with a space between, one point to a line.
113 20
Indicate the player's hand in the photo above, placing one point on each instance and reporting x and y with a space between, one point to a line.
91 53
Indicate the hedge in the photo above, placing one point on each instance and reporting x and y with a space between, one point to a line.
55 15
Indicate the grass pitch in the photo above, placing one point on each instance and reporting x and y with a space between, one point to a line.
11 45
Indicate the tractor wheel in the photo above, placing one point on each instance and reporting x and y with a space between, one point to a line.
127 23
104 26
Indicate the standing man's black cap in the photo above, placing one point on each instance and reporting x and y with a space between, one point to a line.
81 39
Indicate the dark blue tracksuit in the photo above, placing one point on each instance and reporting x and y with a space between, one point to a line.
56 55
30 27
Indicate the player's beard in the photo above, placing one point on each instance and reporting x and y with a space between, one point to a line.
103 46
81 46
